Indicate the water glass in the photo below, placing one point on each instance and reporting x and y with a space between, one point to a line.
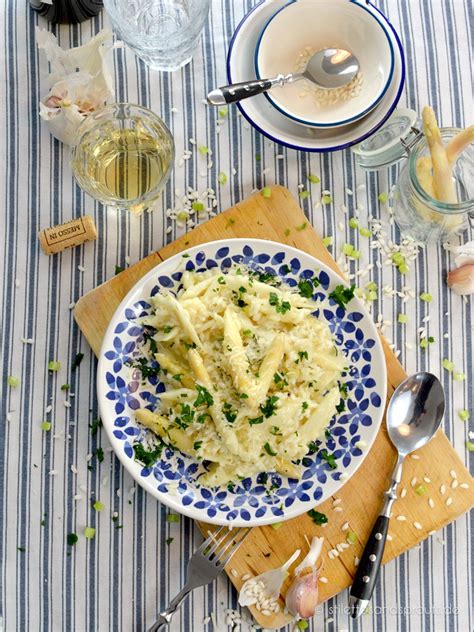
164 33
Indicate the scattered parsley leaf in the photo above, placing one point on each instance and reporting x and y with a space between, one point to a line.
317 517
204 397
256 420
119 269
270 406
147 457
77 361
329 458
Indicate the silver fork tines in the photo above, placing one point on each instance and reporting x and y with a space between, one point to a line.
204 566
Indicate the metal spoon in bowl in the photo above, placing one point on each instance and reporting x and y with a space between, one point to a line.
330 68
413 417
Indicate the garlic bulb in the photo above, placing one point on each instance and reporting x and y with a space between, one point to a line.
302 597
461 280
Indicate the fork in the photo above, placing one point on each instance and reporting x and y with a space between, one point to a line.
203 567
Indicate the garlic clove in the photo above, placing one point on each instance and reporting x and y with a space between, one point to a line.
461 280
312 556
269 582
302 597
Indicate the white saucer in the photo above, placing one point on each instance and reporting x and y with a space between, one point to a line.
274 125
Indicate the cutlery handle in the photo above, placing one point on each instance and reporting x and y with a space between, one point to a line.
165 617
368 568
238 91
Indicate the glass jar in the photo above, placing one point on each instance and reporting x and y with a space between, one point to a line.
416 212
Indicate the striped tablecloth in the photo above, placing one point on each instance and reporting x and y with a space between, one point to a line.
48 479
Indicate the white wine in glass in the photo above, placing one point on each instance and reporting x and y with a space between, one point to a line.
123 156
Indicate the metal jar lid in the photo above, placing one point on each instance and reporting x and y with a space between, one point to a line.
389 144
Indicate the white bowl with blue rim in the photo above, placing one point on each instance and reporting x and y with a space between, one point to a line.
266 119
314 25
267 497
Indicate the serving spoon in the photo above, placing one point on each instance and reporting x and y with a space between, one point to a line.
330 68
413 416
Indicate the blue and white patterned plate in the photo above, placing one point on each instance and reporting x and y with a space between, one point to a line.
267 497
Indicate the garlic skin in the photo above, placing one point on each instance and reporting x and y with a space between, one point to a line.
461 280
302 597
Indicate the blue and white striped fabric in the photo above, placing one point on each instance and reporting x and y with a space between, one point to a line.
119 579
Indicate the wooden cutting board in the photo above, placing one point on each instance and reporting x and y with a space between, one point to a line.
360 498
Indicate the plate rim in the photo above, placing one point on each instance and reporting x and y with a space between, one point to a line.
129 465
331 148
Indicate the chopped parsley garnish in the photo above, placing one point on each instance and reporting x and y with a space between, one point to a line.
167 329
172 518
312 447
204 397
178 377
197 445
77 361
95 425
21 549
190 345
169 540
304 406
302 355
256 420
305 288
243 396
317 517
342 295
270 406
147 457
266 277
268 449
275 430
147 370
281 308
329 458
280 380
341 407
119 269
65 387
72 539
187 416
229 413
221 280
343 389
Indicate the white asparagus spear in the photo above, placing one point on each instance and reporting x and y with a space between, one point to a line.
458 144
443 182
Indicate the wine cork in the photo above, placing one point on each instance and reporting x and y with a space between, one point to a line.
73 233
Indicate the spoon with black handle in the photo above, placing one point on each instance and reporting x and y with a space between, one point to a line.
330 68
413 416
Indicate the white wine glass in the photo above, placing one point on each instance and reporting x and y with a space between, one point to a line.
123 156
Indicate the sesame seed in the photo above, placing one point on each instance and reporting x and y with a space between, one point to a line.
77 497
426 479
464 485
442 489
345 526
401 518
338 509
413 482
453 474
356 561
449 501
431 503
415 456
454 484
337 501
234 573
418 526
323 580
403 493
389 537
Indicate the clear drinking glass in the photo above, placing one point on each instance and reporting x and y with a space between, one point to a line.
123 156
164 33
423 217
